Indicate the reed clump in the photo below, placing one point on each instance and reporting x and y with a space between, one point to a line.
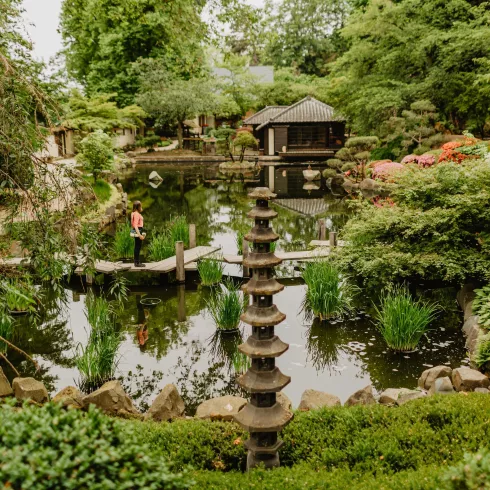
226 306
210 271
328 294
97 361
403 320
123 243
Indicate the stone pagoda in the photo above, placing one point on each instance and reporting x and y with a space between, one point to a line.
263 416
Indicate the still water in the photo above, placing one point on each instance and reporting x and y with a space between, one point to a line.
180 345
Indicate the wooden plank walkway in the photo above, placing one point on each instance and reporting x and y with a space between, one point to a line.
162 267
301 255
325 243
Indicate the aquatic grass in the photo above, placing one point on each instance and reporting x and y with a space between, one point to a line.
482 353
123 243
210 270
179 229
328 294
97 361
6 329
402 320
241 362
226 306
161 247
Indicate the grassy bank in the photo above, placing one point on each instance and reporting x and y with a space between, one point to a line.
419 445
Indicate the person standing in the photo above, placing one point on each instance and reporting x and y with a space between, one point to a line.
137 231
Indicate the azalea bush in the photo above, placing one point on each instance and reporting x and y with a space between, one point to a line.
436 227
458 151
424 161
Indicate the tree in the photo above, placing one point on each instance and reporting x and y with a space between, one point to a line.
97 153
416 128
414 50
244 140
306 34
354 156
172 100
100 112
102 38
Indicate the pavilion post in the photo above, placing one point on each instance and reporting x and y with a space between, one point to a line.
322 229
179 257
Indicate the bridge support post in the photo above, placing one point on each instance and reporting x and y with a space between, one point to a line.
192 236
179 257
333 239
322 230
245 251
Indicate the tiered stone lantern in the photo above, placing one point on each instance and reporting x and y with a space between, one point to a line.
263 416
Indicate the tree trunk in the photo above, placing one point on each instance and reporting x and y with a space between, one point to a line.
180 134
242 154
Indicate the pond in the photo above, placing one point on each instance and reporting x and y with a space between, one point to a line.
180 346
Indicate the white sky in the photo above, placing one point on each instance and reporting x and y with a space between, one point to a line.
42 17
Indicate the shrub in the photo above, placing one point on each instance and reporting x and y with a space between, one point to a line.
328 294
402 320
49 447
97 361
226 306
149 141
482 352
123 243
481 306
329 173
210 271
473 473
20 295
437 228
244 140
97 153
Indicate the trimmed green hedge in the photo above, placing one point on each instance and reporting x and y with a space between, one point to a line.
426 444
377 439
52 448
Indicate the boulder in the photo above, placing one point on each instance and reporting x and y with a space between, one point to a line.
312 399
155 176
110 398
284 401
408 397
465 295
69 397
221 408
441 386
5 388
30 389
390 396
472 333
361 397
468 309
469 323
168 405
430 375
369 185
482 390
466 379
119 188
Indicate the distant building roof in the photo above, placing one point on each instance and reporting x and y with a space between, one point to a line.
265 74
265 114
307 110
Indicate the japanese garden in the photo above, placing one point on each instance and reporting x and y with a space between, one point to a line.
245 244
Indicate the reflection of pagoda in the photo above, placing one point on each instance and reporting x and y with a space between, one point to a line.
263 417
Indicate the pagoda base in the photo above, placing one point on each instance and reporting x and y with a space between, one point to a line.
266 460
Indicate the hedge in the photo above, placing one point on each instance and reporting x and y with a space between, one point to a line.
52 448
434 430
434 442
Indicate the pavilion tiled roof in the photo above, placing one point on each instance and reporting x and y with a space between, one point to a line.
265 114
307 110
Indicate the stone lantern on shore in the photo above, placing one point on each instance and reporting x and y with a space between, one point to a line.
263 417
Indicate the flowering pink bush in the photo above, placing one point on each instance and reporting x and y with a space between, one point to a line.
386 171
424 161
410 159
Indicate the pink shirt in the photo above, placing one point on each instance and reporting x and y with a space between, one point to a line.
136 220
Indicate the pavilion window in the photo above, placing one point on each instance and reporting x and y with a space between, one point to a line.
305 137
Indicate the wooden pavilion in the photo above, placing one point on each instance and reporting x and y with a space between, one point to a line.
308 128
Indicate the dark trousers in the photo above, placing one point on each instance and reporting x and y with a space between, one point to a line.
137 249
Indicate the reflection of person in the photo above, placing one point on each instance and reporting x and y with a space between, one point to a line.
138 231
142 332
